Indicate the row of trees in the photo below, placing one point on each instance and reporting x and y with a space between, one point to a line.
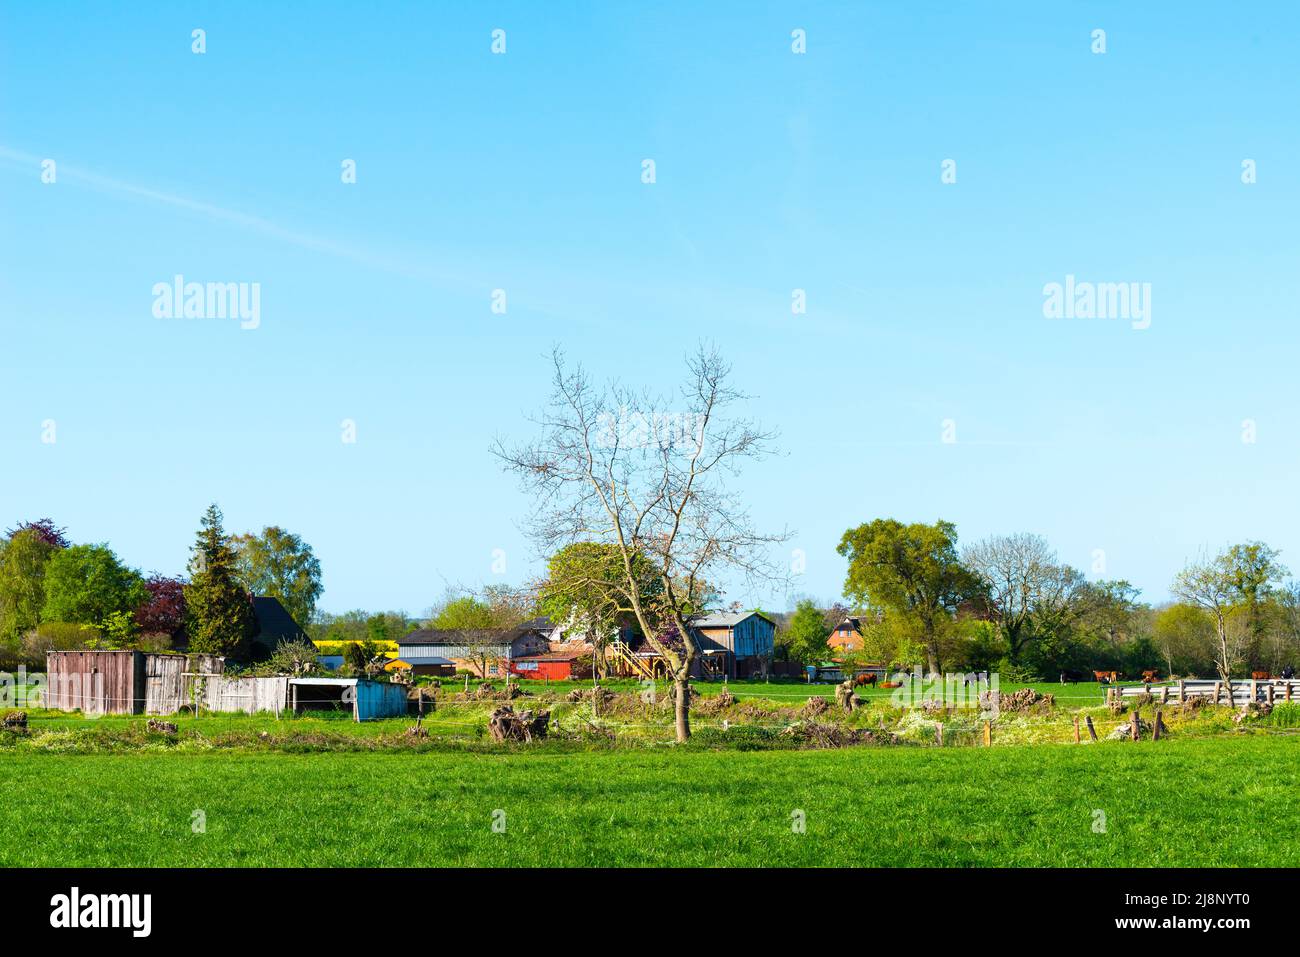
57 594
1009 603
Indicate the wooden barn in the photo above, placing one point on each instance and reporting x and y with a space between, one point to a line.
555 666
123 682
134 682
734 644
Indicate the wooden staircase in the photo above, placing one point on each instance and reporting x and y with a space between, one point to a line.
620 657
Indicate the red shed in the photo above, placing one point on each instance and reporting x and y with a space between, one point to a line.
556 667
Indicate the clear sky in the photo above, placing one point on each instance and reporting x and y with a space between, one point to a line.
774 171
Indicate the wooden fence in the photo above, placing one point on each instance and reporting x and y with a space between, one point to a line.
247 695
1270 690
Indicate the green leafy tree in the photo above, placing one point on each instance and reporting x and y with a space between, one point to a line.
87 584
807 633
24 556
586 590
1256 573
910 570
281 565
1212 584
463 612
220 610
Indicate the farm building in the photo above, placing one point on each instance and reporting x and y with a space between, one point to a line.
485 652
275 626
369 700
731 645
423 665
555 666
122 682
734 644
133 682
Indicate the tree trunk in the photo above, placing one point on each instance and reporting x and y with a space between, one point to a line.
682 707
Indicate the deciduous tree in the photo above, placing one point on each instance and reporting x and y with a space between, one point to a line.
1025 589
650 476
911 570
1212 583
279 564
87 584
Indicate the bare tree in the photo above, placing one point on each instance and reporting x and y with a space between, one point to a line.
1211 584
649 476
1026 589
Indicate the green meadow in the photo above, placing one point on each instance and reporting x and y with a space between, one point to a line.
1226 800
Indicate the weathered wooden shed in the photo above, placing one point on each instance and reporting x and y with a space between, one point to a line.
368 700
95 682
122 682
244 694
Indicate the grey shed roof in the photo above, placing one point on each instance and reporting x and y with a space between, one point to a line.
725 619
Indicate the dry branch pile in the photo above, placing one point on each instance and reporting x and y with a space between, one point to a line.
1252 709
15 720
506 725
813 734
815 706
715 704
602 695
488 692
1020 701
161 727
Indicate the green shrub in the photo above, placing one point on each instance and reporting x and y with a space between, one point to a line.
1285 715
58 636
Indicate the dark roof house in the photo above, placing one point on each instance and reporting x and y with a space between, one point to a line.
274 623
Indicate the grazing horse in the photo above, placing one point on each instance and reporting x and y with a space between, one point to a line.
865 679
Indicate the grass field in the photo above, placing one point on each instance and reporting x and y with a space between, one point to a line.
1082 695
1214 801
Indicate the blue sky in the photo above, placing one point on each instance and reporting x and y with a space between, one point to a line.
775 171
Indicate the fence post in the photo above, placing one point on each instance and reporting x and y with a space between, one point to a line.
1217 686
1156 728
1092 732
988 734
1076 729
1134 721
1164 695
939 728
1254 691
1270 694
1182 690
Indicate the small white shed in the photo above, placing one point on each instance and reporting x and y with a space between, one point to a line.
369 700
